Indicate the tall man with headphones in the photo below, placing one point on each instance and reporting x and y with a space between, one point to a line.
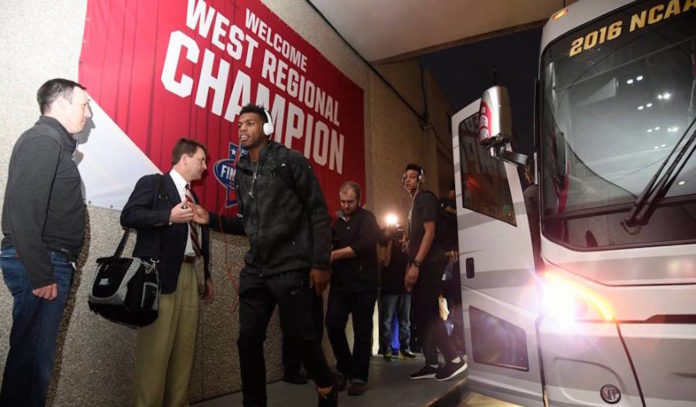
283 213
424 278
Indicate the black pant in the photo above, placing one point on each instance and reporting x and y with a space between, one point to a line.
257 299
291 357
426 313
361 305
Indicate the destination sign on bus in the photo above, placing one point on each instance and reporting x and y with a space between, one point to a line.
649 15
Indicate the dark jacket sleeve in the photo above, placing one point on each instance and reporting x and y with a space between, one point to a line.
138 213
365 243
226 224
37 161
309 191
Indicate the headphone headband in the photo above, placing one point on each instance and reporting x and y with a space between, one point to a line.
268 126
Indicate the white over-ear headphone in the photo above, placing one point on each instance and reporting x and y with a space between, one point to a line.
268 126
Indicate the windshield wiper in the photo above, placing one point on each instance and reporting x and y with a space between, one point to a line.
644 206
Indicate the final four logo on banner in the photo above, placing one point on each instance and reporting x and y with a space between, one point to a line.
224 172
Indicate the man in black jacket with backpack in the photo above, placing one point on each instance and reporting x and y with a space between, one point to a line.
283 213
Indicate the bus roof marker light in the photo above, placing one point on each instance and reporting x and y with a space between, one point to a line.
648 105
639 78
682 182
630 81
641 107
560 13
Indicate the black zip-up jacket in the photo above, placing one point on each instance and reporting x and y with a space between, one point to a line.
283 212
44 209
360 232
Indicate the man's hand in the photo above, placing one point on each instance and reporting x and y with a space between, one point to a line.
208 293
411 277
318 279
200 215
47 292
181 214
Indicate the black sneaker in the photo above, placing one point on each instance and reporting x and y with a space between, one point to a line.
449 370
426 372
387 357
408 354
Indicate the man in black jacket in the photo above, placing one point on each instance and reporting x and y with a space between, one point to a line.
283 213
354 283
161 209
43 223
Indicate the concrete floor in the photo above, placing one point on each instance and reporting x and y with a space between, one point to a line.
389 385
479 400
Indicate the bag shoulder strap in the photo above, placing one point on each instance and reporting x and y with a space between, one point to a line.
126 231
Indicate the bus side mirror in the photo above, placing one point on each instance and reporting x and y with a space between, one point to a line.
495 125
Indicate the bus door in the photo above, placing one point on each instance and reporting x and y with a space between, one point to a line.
499 292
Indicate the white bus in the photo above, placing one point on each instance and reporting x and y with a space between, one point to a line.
590 298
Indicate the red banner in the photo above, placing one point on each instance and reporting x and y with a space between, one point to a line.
162 70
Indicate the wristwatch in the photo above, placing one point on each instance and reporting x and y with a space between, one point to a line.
416 262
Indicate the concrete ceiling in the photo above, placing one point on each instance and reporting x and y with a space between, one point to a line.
389 29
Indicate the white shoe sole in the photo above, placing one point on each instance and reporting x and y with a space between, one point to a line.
428 376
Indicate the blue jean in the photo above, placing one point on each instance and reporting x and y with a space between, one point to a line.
35 324
388 305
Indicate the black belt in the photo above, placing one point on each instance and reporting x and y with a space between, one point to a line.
190 259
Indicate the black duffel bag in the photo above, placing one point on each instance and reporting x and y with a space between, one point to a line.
125 290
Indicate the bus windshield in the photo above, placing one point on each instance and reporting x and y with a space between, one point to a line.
618 95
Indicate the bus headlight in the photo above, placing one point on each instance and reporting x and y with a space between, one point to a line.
567 300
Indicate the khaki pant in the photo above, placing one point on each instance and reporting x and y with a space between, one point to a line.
164 350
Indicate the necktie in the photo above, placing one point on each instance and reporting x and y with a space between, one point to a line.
193 226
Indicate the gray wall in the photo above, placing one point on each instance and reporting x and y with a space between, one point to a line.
41 39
